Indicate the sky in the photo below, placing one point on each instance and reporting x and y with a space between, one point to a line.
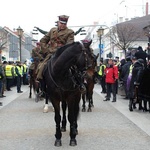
44 13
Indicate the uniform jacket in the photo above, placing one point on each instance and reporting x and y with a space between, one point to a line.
111 73
37 53
55 38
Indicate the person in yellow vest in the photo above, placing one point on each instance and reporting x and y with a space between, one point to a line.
19 75
25 68
9 73
102 76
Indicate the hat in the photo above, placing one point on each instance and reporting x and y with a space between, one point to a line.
38 43
140 48
63 19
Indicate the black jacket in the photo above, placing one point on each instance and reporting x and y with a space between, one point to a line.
137 73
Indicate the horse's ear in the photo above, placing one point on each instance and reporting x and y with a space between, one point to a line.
90 42
97 55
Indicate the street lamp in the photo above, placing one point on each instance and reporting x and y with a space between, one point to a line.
20 33
100 32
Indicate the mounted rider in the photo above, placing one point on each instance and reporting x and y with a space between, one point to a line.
55 38
36 56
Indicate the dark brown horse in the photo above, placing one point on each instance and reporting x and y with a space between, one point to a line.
34 85
61 75
89 81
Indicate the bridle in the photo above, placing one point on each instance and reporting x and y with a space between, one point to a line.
77 72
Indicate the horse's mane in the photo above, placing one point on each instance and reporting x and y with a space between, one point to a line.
61 49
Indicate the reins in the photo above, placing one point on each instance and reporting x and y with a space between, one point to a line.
78 72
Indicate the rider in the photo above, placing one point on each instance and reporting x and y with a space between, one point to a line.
36 56
55 38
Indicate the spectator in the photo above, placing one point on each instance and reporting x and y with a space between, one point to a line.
111 72
124 75
19 73
9 73
102 76
141 54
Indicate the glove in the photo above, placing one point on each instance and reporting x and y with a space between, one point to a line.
136 83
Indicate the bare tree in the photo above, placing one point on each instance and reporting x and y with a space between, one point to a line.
124 35
3 41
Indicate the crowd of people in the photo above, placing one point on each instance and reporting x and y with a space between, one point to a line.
12 74
129 71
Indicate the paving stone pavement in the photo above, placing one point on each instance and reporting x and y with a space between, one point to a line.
110 126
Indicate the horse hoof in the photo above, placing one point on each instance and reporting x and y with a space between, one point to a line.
89 110
130 109
83 109
73 142
45 110
36 98
63 129
58 143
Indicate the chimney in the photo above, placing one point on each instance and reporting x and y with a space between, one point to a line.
146 8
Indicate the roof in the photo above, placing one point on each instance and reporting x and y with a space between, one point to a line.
139 23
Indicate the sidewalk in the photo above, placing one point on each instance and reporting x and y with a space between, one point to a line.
12 95
140 118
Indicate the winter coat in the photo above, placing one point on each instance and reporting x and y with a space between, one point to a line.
125 71
144 87
111 73
137 73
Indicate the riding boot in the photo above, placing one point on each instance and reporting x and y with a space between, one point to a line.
30 72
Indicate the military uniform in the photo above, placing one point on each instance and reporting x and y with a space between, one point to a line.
54 39
36 54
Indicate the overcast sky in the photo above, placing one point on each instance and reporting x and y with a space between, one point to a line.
43 13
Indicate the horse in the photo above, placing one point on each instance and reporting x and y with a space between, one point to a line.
33 84
89 81
60 76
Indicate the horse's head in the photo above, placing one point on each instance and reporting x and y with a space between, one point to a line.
84 59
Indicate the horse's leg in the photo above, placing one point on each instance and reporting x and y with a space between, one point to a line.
73 112
30 94
140 105
64 120
57 117
84 101
45 109
130 104
145 105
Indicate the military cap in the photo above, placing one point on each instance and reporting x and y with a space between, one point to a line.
38 43
63 19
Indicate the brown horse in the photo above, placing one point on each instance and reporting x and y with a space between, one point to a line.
61 75
33 84
89 81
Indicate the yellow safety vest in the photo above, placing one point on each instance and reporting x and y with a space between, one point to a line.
25 68
100 70
8 70
20 70
130 69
